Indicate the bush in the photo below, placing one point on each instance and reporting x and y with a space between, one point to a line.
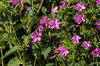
50 32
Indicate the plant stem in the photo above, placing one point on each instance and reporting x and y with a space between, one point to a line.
2 57
32 4
16 38
34 60
39 7
14 30
62 61
52 5
24 64
6 28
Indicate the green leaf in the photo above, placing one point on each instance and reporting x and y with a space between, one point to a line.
50 64
14 62
46 52
12 50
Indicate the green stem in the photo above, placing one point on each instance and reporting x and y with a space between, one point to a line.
35 61
15 37
13 41
39 7
62 61
6 28
2 57
14 30
36 13
24 64
52 5
10 45
32 4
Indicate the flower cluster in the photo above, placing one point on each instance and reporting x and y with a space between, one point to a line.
80 7
86 45
79 19
72 42
54 23
76 38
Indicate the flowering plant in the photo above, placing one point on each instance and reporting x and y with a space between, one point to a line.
50 32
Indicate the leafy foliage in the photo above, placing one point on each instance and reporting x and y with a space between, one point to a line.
19 22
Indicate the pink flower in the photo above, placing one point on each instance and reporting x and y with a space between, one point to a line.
15 2
56 50
63 3
96 52
80 6
80 19
63 51
54 23
55 10
76 38
28 8
34 0
40 27
22 1
98 2
86 44
36 36
44 21
97 22
61 48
